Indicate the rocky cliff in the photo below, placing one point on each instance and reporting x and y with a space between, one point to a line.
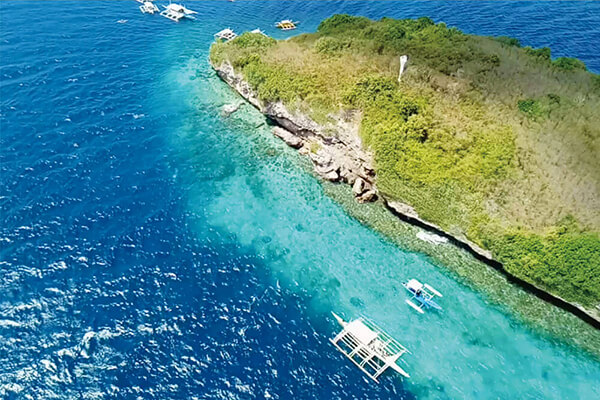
335 150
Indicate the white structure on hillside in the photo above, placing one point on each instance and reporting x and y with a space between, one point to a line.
403 61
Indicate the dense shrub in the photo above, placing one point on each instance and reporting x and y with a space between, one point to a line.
332 45
341 23
245 60
596 82
553 98
541 53
441 48
530 107
254 41
569 64
509 41
567 263
274 82
489 62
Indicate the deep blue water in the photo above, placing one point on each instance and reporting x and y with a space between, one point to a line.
151 249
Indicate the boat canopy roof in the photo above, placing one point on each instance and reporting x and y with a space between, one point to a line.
414 285
361 331
368 347
226 34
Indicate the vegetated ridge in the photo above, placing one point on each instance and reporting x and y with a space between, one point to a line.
489 140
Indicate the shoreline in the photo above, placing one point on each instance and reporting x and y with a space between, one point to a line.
342 160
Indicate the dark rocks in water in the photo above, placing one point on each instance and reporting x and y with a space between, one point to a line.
357 302
229 109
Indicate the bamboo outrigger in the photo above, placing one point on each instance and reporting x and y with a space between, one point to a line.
368 347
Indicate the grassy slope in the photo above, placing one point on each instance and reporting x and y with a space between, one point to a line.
489 140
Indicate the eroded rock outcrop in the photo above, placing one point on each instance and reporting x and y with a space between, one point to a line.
335 150
289 138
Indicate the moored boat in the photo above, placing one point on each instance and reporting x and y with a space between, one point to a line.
423 294
175 12
148 7
286 25
371 349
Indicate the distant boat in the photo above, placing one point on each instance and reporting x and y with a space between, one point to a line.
226 35
148 7
259 31
175 12
286 25
368 347
423 294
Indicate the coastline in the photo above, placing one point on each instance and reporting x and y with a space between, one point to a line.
341 159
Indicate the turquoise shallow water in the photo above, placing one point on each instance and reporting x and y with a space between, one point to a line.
153 249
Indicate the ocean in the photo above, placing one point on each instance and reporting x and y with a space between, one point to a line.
152 249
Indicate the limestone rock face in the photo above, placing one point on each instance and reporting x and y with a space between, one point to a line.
288 137
359 186
363 191
368 196
340 155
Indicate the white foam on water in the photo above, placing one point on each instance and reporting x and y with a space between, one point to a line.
9 323
58 265
7 388
49 365
86 344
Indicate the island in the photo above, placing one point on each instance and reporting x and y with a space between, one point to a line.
491 143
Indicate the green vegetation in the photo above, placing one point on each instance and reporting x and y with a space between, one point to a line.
530 107
508 41
491 141
569 64
315 147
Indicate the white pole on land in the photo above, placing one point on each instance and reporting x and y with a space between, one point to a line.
403 61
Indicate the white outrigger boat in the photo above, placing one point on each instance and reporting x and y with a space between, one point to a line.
147 7
225 35
368 347
259 31
176 12
423 294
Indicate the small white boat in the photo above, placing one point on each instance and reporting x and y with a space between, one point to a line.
257 30
423 294
368 347
431 238
175 12
226 35
148 7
